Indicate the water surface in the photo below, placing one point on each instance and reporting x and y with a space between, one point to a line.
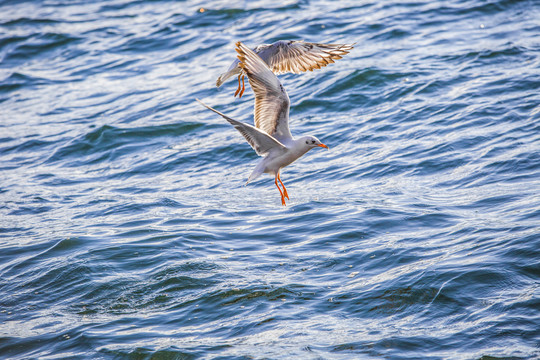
126 231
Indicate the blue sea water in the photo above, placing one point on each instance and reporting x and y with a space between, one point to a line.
126 231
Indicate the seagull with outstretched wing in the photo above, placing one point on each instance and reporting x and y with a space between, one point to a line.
289 56
271 136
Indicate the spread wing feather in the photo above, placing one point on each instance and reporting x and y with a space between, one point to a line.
261 142
293 56
300 56
271 100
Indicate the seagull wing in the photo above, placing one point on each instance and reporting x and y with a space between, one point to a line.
292 56
299 56
261 142
271 99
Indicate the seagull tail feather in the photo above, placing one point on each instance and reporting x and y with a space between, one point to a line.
256 172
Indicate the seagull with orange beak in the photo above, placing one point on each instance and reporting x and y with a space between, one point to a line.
271 137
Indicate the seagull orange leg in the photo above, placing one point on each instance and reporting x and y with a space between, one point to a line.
243 87
239 86
284 189
282 197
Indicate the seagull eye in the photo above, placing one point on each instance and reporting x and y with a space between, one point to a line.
313 141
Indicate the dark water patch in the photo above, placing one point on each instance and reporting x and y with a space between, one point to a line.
433 87
167 288
535 214
6 230
108 138
99 68
522 163
6 139
172 352
38 45
494 201
116 209
212 15
62 181
65 246
247 295
11 254
152 111
30 145
139 190
180 222
501 87
439 164
5 41
432 220
146 44
123 5
365 78
28 210
131 298
30 22
18 80
233 153
390 35
508 54
58 281
473 9
506 144
389 168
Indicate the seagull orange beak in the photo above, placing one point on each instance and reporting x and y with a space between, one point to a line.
324 146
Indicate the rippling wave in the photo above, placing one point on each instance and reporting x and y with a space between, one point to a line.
126 231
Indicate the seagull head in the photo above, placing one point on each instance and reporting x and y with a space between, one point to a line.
311 142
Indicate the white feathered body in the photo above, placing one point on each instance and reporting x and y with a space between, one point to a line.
279 158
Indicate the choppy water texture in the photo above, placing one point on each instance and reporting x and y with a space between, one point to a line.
126 231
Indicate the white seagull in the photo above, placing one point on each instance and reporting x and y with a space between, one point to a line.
292 56
270 137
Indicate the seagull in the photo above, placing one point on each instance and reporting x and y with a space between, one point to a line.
271 137
289 56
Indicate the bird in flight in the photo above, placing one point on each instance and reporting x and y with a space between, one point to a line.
271 137
288 56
